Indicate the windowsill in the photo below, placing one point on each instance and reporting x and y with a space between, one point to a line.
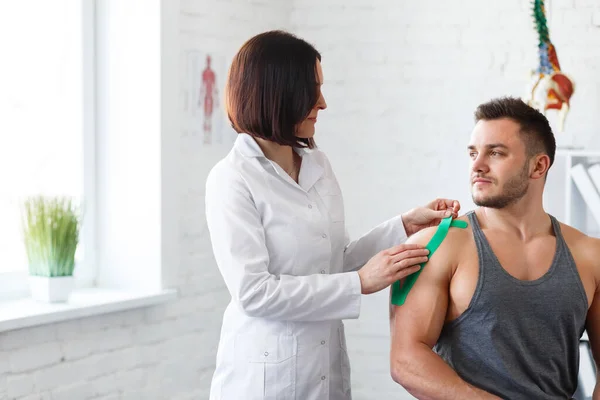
23 313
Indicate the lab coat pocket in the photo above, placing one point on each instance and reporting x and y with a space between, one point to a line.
328 186
346 374
266 367
331 195
335 207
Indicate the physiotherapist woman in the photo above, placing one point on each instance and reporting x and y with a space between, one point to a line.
276 220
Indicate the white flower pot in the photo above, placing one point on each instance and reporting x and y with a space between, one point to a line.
55 289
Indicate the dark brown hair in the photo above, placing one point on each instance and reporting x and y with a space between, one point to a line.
535 129
272 87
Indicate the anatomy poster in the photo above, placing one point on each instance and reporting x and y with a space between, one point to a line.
203 86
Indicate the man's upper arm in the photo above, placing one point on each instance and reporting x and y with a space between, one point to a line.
421 318
593 327
588 251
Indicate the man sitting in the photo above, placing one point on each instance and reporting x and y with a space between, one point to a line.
500 307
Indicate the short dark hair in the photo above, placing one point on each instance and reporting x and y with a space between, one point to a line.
272 87
535 128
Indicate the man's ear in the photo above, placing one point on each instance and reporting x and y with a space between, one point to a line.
541 164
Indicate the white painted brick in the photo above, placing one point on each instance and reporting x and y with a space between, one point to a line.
215 300
37 396
130 318
204 378
199 394
183 307
131 379
75 349
111 321
33 357
149 355
4 362
3 387
105 363
183 382
212 284
188 344
206 360
26 337
161 371
19 385
68 330
187 324
164 373
153 333
104 385
111 339
589 4
114 396
149 393
128 358
62 374
81 390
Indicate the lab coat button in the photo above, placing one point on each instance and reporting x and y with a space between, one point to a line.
310 206
323 236
266 353
323 378
322 271
322 342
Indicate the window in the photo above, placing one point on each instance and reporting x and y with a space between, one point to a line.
55 55
46 114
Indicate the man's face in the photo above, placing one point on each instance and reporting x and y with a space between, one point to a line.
499 164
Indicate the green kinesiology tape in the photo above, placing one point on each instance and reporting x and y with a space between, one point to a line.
399 293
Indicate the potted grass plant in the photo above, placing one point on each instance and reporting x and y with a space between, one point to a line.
51 226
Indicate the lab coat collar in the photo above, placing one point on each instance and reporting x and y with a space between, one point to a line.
246 144
310 172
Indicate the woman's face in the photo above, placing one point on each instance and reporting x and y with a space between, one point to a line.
306 128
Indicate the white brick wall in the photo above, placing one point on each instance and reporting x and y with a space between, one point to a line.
402 80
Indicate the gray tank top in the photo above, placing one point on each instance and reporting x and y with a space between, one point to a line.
519 339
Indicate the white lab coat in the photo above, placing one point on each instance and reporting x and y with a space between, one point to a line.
290 268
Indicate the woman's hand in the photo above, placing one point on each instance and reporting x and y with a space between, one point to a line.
430 215
391 265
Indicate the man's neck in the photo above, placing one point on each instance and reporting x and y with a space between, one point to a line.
525 218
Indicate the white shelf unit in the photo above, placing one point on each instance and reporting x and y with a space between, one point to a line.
563 199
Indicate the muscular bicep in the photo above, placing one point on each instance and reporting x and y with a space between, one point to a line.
421 318
593 327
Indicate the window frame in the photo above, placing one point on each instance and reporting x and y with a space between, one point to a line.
14 284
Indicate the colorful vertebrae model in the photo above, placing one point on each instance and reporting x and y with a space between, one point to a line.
551 89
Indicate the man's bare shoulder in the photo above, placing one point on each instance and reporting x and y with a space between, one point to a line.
583 247
453 245
426 305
